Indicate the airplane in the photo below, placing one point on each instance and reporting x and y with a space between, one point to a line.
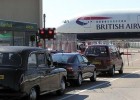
104 25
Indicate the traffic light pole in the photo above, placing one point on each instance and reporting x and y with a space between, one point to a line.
44 16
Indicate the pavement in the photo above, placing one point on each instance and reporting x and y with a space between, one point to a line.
131 56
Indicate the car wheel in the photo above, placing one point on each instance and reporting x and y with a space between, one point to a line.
112 71
93 78
33 94
62 87
121 70
79 80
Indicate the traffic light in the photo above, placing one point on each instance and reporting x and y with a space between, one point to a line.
47 33
42 33
50 33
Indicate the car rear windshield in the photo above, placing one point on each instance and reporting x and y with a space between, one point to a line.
101 51
10 59
62 58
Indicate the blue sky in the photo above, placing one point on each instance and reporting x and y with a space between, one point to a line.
59 10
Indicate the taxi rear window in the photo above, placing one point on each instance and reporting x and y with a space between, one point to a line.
12 59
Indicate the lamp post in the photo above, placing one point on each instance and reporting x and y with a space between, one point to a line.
44 17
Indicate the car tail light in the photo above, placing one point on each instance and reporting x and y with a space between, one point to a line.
108 62
69 69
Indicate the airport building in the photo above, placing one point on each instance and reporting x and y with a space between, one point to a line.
19 21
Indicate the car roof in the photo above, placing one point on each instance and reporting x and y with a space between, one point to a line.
18 48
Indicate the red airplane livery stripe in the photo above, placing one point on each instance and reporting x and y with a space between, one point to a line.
80 22
94 18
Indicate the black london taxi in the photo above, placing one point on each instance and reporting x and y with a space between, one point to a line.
29 71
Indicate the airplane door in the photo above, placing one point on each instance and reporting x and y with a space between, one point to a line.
138 18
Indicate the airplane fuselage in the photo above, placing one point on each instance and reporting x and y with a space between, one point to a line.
104 25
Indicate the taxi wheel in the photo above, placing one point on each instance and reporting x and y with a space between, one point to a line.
62 86
33 94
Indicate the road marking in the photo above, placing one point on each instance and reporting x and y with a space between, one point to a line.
98 85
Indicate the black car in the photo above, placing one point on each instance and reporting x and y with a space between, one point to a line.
77 66
29 71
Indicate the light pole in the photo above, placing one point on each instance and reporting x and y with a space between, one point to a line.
44 17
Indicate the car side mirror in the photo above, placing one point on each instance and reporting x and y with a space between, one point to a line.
49 63
121 53
88 63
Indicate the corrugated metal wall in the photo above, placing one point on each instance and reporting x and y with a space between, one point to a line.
65 42
21 10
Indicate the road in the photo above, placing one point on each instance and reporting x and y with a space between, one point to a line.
119 87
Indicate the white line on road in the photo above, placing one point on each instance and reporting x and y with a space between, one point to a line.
98 85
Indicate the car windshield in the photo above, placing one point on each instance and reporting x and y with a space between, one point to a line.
10 59
64 58
97 50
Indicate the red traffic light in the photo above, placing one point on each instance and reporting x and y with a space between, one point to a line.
50 31
42 31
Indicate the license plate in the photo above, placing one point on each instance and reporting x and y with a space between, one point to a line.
96 62
1 77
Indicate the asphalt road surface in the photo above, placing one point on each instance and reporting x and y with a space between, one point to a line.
119 87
